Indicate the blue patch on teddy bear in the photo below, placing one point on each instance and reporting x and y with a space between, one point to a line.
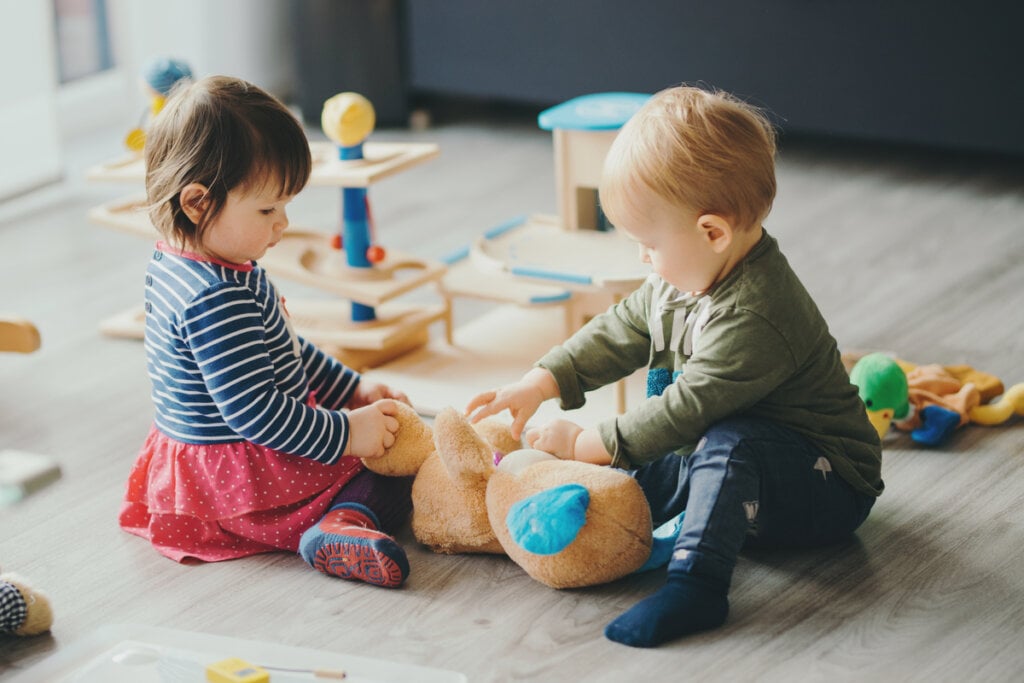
546 522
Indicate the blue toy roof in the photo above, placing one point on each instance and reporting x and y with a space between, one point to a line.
599 111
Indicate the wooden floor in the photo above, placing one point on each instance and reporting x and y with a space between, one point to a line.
917 253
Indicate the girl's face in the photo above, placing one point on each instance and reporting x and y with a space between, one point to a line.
251 222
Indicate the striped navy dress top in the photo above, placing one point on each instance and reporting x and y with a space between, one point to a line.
226 365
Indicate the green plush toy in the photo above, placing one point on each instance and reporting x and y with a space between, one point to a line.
882 386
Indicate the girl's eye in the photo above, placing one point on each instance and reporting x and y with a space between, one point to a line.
266 212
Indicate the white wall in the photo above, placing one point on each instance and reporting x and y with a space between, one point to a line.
29 143
250 39
245 38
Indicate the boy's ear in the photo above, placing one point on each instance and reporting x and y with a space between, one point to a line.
717 230
193 201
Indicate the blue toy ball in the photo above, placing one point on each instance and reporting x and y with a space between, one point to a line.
163 73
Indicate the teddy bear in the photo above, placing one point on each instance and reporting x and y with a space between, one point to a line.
567 524
24 611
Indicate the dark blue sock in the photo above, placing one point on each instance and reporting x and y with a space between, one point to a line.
685 604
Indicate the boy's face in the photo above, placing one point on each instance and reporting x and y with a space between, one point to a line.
250 223
672 240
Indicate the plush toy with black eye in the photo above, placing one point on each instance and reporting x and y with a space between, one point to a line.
931 401
882 386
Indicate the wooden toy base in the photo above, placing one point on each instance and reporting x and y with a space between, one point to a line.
398 329
494 349
129 324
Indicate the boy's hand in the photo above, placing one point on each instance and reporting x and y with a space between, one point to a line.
368 392
521 399
372 429
557 437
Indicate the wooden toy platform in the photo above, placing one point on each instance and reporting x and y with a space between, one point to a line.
494 349
534 261
307 257
381 159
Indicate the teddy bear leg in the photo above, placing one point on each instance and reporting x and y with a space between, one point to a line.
348 543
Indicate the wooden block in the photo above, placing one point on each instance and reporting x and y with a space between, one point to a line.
18 335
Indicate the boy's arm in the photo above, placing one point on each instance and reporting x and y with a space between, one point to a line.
568 441
742 358
606 349
590 448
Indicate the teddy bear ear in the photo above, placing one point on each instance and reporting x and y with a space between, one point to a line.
464 452
498 434
413 443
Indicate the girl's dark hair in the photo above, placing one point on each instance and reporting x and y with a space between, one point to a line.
222 133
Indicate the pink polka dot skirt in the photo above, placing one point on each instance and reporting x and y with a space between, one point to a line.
224 501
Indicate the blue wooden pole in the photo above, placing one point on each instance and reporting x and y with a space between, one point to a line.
355 226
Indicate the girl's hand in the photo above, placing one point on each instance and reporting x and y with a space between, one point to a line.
372 429
368 392
521 398
557 437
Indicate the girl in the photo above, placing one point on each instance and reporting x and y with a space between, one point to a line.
250 451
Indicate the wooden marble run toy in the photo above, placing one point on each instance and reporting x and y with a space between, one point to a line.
375 328
573 260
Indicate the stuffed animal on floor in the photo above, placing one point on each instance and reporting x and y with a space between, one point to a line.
567 524
931 401
24 611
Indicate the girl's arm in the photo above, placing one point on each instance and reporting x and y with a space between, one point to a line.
331 380
224 330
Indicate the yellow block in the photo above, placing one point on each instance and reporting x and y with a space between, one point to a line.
236 670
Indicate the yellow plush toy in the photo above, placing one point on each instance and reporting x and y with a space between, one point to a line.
567 524
24 611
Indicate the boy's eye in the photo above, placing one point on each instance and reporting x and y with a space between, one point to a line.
266 212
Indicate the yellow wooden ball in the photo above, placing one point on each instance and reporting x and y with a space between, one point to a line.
348 118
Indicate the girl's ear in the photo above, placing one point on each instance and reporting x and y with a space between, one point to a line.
717 230
193 201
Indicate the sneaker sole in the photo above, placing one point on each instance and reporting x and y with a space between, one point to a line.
358 562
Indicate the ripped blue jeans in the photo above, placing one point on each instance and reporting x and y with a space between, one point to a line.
750 482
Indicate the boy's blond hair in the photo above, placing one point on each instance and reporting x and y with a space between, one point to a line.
223 133
702 151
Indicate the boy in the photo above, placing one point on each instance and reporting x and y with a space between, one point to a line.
751 424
